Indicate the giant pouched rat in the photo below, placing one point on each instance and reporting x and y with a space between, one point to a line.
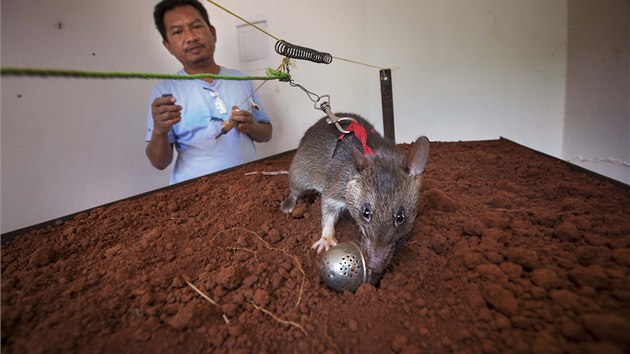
375 182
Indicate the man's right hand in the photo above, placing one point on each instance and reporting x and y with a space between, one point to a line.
165 114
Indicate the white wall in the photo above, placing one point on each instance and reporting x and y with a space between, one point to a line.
597 121
468 70
70 144
475 69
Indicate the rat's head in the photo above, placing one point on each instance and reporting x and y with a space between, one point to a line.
382 198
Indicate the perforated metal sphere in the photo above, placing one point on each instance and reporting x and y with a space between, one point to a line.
343 267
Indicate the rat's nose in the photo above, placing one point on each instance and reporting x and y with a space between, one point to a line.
374 277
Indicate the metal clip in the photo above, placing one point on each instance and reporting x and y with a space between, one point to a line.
322 104
332 118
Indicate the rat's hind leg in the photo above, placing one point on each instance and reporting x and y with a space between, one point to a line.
299 185
289 202
296 189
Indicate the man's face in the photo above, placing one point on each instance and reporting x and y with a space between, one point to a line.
189 38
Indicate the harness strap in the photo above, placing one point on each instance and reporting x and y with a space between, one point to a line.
361 134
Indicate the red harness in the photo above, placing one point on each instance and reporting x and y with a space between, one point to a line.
361 134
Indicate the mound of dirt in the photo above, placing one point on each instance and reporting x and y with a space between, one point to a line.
513 251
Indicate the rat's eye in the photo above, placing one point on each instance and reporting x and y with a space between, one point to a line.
399 218
367 214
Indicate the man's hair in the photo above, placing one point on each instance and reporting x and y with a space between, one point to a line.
167 5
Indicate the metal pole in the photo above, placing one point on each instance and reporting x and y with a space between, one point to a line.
387 101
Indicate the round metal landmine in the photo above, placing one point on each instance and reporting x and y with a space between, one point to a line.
343 267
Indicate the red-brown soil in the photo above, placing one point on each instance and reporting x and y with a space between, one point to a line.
513 251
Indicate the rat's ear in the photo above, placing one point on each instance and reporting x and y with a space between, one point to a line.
360 161
418 155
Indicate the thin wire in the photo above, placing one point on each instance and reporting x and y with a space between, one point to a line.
242 19
308 93
277 39
357 62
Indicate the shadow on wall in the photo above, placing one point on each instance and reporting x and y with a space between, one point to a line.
597 113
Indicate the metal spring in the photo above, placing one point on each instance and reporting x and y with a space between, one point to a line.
296 52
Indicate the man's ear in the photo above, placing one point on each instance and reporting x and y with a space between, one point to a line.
213 30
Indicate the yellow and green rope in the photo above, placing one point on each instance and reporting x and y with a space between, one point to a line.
272 74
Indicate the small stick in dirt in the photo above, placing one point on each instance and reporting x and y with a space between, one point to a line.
578 210
279 319
508 210
272 173
227 320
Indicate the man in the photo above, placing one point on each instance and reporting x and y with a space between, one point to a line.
189 114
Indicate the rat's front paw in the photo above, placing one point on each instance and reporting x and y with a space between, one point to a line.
324 244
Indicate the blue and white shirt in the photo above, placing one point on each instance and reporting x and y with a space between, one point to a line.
205 107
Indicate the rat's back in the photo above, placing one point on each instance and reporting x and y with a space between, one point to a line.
324 157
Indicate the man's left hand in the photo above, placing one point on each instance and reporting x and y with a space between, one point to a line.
244 120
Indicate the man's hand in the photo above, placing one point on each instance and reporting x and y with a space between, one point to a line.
246 124
244 120
165 114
